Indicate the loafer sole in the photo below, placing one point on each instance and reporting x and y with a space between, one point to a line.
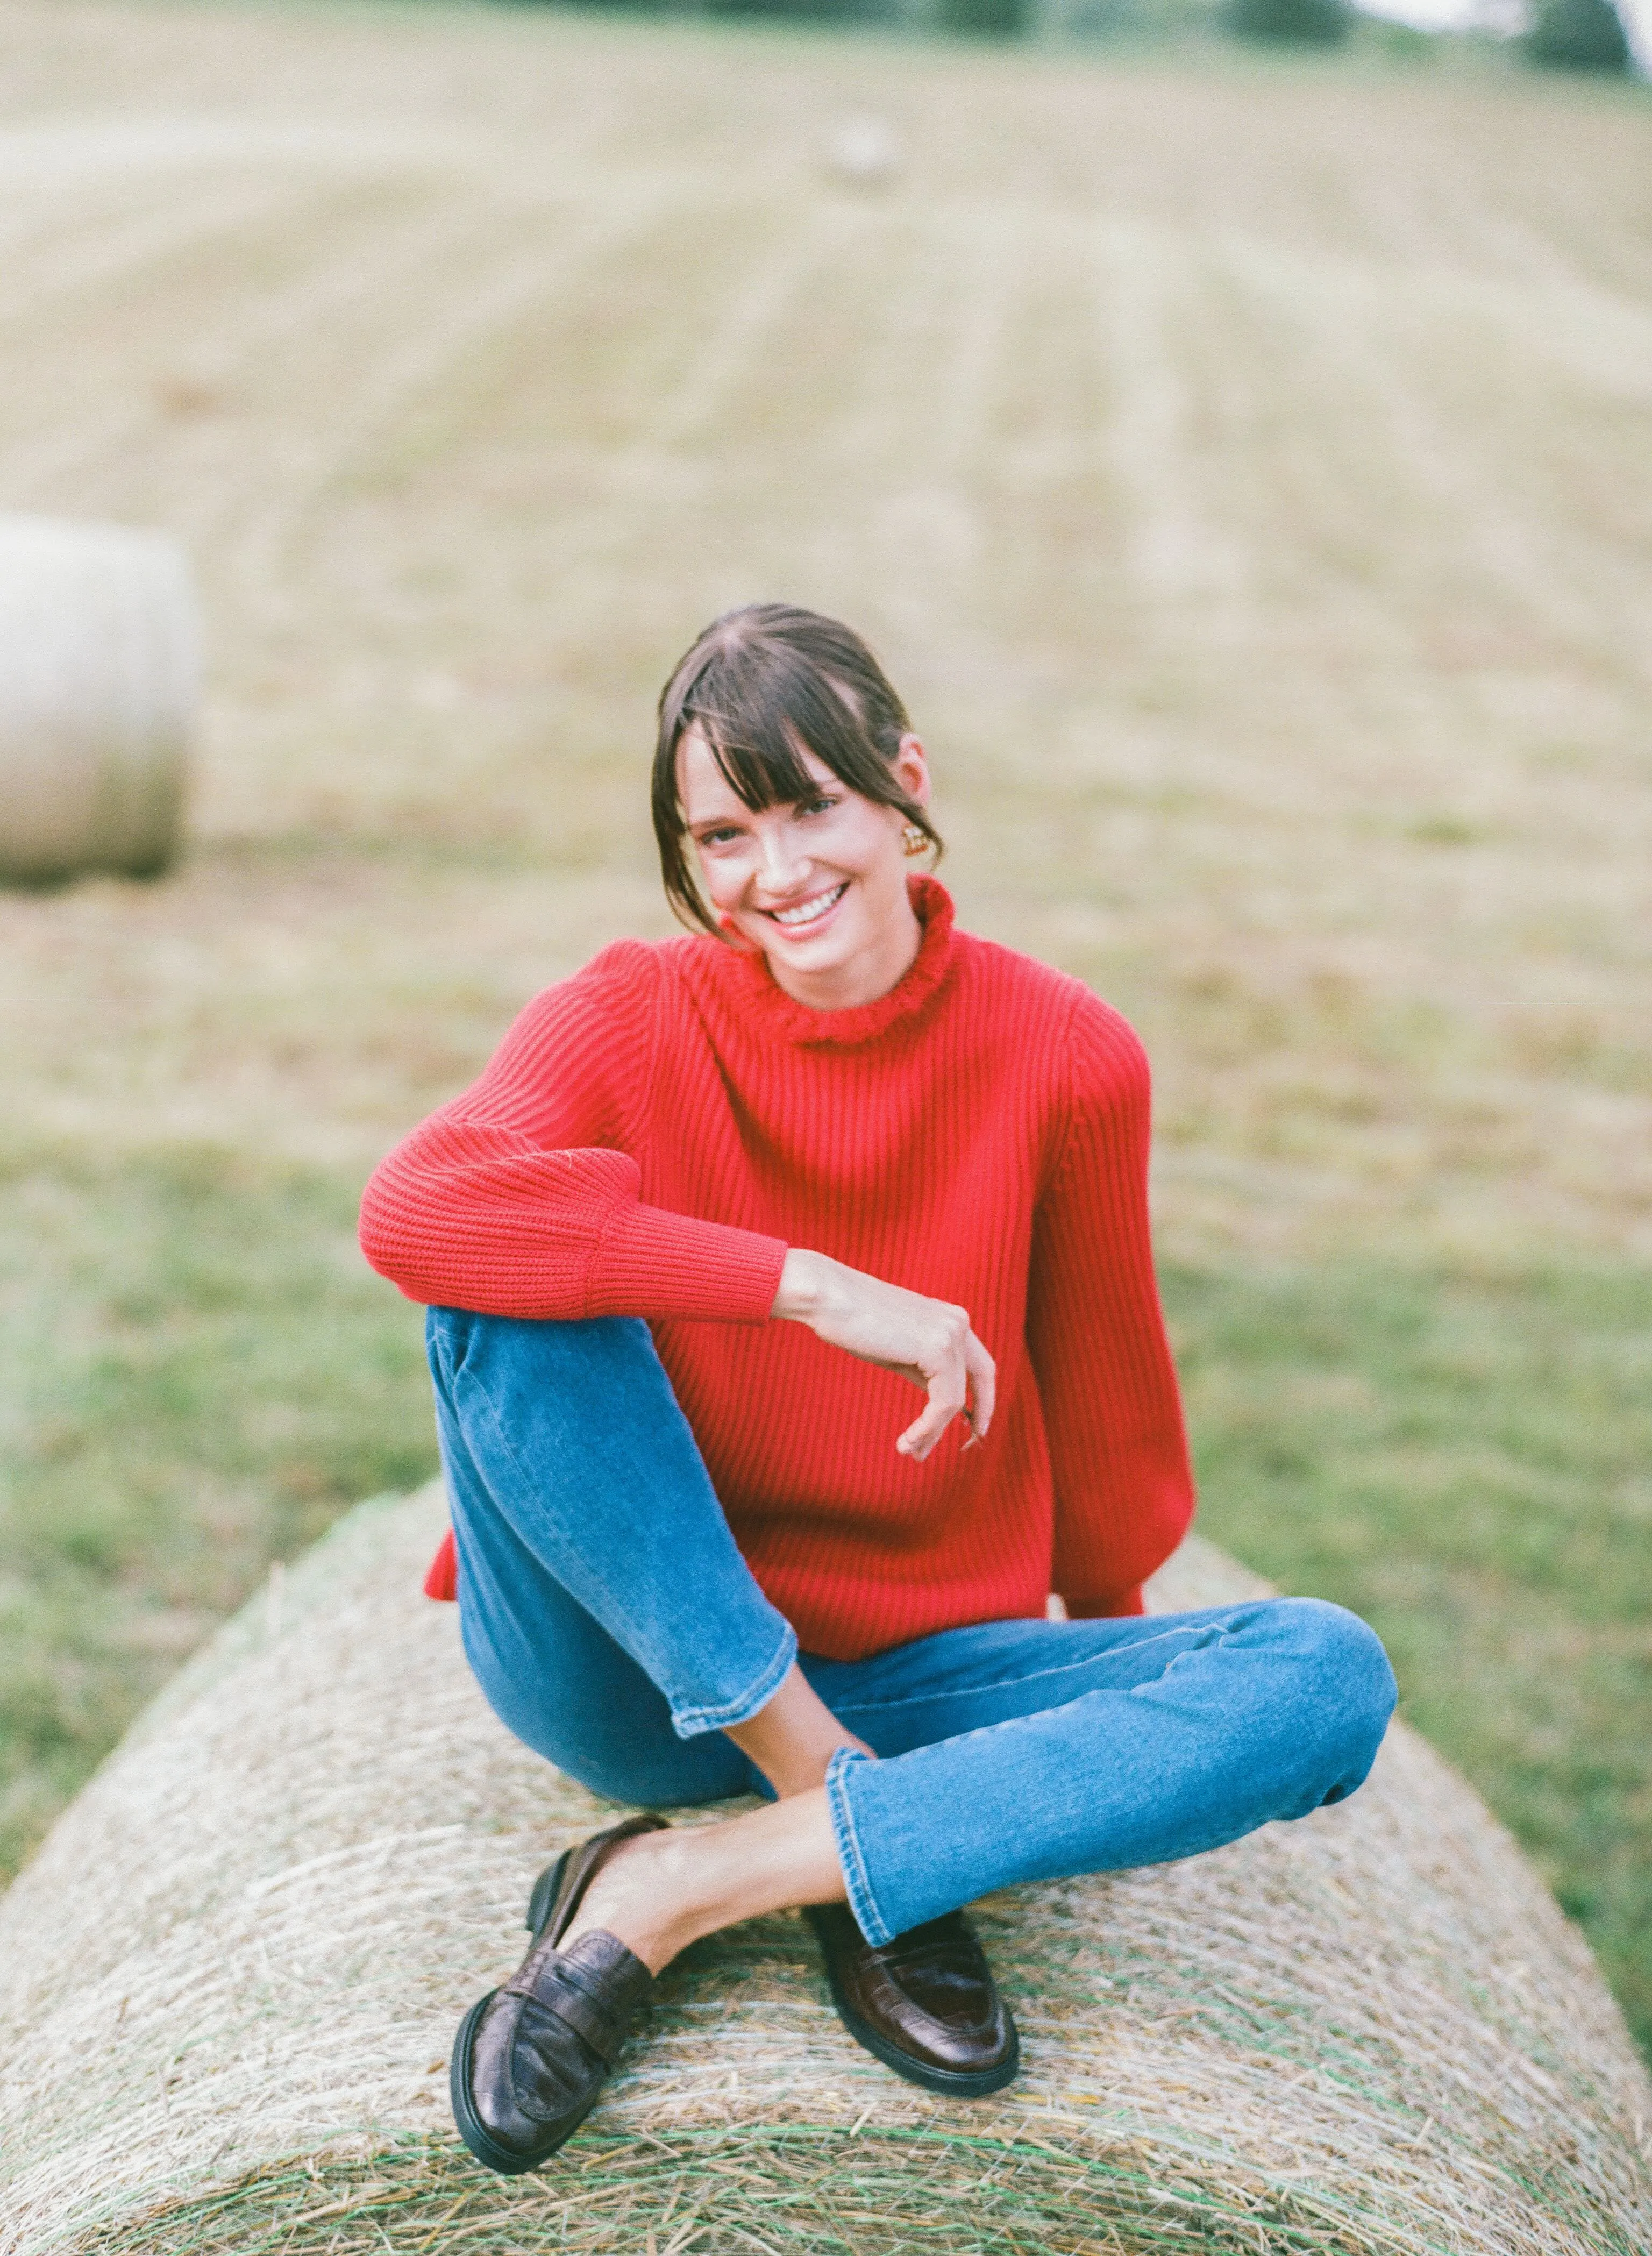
956 2082
471 2128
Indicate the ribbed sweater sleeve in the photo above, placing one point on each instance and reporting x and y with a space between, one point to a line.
1113 1412
522 1196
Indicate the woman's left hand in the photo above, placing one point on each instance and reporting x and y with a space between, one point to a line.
931 1342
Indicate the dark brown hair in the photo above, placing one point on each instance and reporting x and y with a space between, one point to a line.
762 684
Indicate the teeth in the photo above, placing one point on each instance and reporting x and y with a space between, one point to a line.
810 910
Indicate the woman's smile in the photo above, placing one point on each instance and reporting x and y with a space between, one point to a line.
813 911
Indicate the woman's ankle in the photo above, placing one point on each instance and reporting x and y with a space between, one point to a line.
663 1891
638 1898
794 1738
806 1773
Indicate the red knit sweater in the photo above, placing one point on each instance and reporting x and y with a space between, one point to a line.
654 1132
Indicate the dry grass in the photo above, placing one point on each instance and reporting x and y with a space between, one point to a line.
1369 2034
1241 468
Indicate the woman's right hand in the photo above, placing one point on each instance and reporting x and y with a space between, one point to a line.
929 1342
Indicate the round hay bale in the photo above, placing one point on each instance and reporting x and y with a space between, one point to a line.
229 1983
864 152
98 681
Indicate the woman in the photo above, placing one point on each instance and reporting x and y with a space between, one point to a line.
712 1211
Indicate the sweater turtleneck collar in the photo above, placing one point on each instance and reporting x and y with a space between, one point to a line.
784 1016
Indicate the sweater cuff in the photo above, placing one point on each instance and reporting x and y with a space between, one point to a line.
651 1263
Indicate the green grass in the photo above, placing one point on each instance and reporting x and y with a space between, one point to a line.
199 1373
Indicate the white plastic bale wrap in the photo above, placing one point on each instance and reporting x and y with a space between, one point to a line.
229 1980
99 674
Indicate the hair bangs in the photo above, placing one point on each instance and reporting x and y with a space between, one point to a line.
758 756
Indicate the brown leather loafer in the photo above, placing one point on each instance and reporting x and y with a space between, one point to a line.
531 2058
925 2004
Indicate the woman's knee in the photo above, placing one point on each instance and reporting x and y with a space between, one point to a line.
514 1392
1349 1687
599 1349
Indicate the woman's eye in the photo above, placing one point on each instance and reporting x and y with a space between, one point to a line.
817 806
717 837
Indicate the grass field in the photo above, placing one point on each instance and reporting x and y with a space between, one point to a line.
1241 466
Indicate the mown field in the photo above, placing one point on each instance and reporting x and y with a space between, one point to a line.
1242 467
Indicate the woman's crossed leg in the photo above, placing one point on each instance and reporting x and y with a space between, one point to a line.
614 1627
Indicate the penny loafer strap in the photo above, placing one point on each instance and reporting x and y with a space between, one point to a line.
560 1985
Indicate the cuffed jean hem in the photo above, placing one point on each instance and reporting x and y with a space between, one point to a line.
691 1722
857 1882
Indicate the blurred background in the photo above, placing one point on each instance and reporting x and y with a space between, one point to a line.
1239 450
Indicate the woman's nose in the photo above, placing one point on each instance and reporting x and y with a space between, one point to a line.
781 860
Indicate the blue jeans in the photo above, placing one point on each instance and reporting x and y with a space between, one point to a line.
615 1627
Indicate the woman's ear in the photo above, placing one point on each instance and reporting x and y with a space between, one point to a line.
912 769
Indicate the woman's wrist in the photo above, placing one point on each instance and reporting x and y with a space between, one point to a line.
801 1286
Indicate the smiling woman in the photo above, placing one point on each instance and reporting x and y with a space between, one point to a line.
713 1208
786 758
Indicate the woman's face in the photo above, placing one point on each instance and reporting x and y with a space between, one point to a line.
819 887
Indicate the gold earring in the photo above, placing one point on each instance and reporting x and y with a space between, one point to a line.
913 841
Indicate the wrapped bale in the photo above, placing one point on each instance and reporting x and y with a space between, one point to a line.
229 1980
98 683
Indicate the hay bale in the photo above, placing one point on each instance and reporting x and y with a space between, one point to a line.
864 152
98 668
230 1978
